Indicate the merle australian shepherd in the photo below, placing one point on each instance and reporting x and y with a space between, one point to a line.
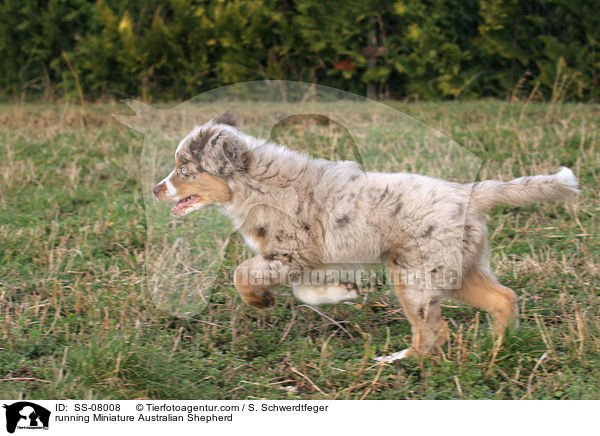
300 214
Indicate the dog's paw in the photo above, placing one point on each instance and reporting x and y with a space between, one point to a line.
261 300
395 356
325 294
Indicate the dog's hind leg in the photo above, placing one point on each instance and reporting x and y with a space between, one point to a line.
423 310
481 289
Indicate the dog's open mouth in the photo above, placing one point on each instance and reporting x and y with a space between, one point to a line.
182 205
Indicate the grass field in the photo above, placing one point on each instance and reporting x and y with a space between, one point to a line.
78 321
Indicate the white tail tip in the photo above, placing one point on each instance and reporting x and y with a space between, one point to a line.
566 177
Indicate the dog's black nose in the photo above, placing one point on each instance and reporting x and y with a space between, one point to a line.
156 190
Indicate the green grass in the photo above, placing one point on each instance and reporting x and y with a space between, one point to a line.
78 321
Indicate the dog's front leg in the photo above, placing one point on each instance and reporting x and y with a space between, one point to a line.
255 277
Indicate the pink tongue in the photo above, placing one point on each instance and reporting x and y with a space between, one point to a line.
182 204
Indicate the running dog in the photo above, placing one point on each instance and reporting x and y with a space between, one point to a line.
302 214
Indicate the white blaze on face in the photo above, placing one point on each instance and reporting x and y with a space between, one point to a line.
171 191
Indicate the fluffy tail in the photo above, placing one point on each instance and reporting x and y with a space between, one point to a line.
561 186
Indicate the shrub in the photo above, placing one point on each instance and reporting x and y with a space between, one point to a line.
426 49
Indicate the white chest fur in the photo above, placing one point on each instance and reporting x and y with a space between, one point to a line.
252 243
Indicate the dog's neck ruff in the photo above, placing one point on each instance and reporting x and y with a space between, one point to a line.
283 179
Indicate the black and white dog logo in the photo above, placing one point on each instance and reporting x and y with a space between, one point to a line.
26 415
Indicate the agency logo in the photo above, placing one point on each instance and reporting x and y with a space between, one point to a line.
26 415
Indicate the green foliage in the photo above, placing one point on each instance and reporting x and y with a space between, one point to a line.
174 49
548 43
430 46
330 34
33 35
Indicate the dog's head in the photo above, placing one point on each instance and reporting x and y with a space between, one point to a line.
204 161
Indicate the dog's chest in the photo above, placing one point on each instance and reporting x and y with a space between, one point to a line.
251 242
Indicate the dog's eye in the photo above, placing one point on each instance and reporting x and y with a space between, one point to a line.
184 171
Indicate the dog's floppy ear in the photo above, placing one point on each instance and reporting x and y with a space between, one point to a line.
236 154
226 118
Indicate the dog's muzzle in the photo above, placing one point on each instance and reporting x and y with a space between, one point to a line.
158 189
